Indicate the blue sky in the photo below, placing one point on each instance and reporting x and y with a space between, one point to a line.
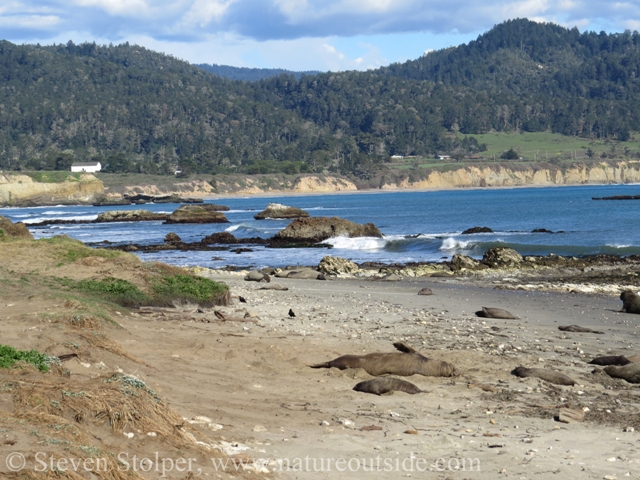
295 34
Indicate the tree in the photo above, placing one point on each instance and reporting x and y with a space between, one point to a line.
510 154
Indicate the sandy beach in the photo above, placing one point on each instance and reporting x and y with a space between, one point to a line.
245 383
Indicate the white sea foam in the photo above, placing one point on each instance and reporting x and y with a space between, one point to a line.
452 243
359 243
232 228
45 219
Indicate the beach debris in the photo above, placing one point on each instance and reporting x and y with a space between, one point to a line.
570 415
630 373
490 312
483 386
406 362
242 299
545 374
385 385
578 329
371 428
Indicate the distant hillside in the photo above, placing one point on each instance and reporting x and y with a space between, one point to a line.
249 74
136 110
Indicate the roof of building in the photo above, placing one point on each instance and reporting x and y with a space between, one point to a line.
85 164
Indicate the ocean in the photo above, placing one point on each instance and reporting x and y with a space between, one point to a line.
417 226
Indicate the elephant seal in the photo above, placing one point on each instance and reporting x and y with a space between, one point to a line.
550 376
630 301
488 312
578 329
618 360
630 373
405 363
425 291
382 385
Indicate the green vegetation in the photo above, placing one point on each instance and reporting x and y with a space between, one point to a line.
53 176
70 250
165 291
137 111
9 356
250 74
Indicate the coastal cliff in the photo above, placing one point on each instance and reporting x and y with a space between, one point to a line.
522 175
22 191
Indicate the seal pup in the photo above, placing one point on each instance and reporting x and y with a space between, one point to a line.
578 329
405 363
630 373
382 385
425 291
630 301
488 312
547 375
617 360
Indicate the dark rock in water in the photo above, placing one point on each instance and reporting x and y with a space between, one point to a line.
545 374
469 231
228 239
277 210
618 197
617 360
578 329
630 301
488 312
141 199
109 203
306 232
501 257
172 238
241 250
205 213
130 216
10 229
425 291
541 230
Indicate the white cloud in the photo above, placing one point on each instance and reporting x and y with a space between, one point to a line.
133 8
31 22
202 12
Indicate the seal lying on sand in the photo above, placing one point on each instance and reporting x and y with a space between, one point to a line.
630 373
489 312
544 374
404 363
382 385
630 301
618 360
578 329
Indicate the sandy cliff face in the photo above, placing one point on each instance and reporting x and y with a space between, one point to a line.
499 176
21 190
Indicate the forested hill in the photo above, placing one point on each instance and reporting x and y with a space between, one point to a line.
249 74
138 110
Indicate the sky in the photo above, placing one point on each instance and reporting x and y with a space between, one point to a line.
297 35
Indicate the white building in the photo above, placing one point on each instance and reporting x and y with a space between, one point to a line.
89 167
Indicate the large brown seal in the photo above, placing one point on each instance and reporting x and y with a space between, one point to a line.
547 375
630 373
405 363
382 385
489 312
617 360
630 301
578 329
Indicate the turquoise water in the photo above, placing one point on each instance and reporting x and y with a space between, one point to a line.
417 226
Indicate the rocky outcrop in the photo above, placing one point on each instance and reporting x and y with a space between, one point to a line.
279 211
10 229
206 213
472 230
130 216
226 238
337 266
22 191
311 231
463 262
501 257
